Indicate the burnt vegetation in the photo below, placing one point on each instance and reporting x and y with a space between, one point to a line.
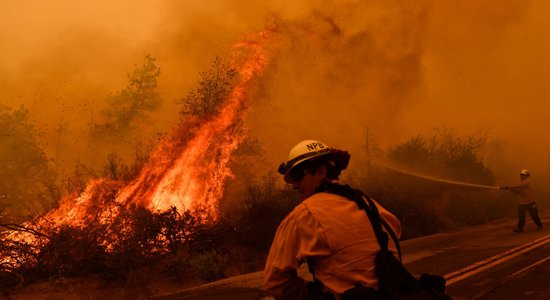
182 244
126 239
133 239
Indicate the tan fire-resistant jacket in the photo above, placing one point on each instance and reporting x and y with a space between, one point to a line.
337 237
524 190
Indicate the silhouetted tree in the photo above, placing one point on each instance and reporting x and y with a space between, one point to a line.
447 154
126 128
129 109
27 181
213 88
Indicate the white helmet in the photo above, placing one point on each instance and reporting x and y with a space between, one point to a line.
309 150
525 172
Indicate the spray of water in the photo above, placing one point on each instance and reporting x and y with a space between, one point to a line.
435 179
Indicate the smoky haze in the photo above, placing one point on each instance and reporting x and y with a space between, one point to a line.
394 68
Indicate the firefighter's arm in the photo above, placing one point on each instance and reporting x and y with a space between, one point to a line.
294 288
517 188
297 238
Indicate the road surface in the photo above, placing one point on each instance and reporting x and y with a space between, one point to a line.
484 262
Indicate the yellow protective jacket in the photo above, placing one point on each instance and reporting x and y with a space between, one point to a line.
336 236
524 190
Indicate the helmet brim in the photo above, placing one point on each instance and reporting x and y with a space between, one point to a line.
339 157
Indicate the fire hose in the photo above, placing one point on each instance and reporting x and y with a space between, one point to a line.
435 179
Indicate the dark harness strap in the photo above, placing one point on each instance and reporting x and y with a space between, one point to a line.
365 202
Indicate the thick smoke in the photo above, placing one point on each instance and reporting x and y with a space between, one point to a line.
394 68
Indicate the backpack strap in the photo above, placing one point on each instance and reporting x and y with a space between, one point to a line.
374 216
367 204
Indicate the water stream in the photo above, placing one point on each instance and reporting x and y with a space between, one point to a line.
435 179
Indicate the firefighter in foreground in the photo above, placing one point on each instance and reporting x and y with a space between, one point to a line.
329 232
526 201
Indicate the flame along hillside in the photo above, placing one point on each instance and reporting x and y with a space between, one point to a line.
186 171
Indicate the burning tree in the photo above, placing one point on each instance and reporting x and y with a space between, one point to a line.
126 125
113 225
213 87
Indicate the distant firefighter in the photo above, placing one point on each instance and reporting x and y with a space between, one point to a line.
526 201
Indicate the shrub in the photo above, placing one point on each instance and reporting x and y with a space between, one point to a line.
133 238
210 265
264 207
425 206
445 154
72 251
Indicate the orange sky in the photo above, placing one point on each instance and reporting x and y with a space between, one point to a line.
398 69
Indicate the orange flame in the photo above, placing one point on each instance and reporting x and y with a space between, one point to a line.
185 171
196 175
